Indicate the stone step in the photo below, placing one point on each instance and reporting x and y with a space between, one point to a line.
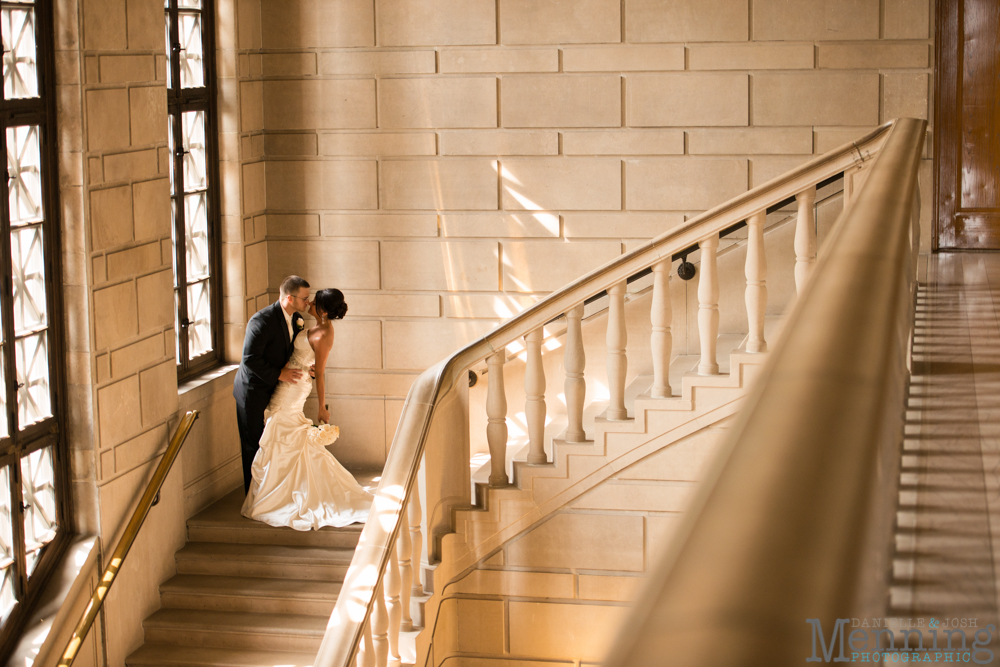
246 594
222 522
164 655
239 630
264 560
234 534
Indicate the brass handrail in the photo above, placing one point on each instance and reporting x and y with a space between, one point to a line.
793 524
128 537
432 387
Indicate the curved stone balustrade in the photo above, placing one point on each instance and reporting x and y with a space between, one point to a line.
374 603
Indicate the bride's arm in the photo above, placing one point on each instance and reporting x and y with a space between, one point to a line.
322 350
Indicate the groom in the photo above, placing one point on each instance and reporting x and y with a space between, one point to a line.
266 349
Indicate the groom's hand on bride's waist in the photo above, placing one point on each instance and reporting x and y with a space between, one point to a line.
290 375
312 371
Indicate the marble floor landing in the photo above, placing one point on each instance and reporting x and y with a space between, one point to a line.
947 556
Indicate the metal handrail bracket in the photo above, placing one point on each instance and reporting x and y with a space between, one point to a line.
128 538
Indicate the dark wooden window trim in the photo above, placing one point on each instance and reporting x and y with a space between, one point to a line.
178 101
39 111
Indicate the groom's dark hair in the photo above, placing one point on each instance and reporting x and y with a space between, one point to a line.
292 284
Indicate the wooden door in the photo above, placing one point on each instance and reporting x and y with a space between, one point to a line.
967 119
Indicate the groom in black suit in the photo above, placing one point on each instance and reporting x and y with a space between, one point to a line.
266 349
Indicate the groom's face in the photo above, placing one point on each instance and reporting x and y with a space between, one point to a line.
300 300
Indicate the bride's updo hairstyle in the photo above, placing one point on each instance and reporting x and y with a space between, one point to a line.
331 302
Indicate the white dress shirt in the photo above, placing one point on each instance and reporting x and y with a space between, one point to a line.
288 321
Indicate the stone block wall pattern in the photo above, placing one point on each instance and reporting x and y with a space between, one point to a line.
484 153
123 397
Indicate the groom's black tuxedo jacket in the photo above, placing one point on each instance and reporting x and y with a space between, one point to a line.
266 350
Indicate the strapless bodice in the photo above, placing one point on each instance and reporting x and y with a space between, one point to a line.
302 352
292 396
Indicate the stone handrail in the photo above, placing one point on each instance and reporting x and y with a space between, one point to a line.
792 529
374 597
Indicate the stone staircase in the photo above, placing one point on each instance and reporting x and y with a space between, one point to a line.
576 468
247 594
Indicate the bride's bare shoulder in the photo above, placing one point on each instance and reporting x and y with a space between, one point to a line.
320 335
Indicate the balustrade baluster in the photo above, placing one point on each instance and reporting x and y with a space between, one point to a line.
617 340
574 360
366 651
496 411
662 340
380 627
415 514
404 554
708 305
534 393
805 237
756 273
393 607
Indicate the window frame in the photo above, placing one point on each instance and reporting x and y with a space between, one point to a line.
40 111
180 100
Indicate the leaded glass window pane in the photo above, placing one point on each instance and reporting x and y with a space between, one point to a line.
7 571
195 173
27 254
190 4
20 67
173 147
24 172
177 321
33 394
200 315
170 63
196 232
191 55
38 488
4 428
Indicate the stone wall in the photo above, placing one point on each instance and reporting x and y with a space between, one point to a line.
446 162
123 396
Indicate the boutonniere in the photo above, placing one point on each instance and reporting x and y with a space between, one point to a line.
299 324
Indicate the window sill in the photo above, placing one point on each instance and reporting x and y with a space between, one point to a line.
61 605
206 384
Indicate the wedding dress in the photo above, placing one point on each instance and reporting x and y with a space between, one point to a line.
296 481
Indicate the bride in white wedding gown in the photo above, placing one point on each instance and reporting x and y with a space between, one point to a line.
296 481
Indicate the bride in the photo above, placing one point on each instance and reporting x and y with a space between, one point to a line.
296 481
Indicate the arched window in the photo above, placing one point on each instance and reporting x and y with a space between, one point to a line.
194 183
32 478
